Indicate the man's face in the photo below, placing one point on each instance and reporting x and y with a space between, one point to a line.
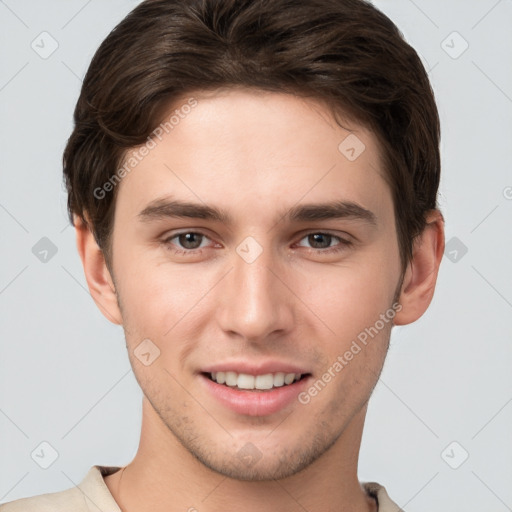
269 287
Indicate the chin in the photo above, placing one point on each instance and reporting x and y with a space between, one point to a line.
258 471
271 462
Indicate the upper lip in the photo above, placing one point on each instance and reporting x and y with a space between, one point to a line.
254 368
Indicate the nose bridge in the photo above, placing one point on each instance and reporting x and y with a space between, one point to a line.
254 302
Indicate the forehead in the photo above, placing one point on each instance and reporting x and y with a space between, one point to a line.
239 146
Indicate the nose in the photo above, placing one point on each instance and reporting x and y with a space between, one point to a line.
255 303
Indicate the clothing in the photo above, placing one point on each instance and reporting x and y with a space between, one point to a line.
93 495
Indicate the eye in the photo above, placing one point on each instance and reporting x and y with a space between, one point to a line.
187 241
323 241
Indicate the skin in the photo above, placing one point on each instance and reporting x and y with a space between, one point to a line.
294 303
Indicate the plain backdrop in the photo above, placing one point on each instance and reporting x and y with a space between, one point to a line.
438 430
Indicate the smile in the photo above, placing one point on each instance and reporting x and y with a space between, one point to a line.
254 395
246 381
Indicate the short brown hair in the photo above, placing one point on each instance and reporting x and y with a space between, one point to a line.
345 53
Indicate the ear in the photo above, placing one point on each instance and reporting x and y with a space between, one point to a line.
100 283
421 273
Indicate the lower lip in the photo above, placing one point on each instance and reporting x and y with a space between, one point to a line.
255 403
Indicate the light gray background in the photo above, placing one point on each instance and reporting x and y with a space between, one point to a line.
65 377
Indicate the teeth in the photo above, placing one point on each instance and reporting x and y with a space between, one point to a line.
289 378
245 381
231 379
278 379
262 382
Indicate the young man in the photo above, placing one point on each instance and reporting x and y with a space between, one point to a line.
253 186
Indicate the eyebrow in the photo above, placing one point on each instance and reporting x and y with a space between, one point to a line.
172 208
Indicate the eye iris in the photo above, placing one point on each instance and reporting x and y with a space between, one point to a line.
190 240
319 237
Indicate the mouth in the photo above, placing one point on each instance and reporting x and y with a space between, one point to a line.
255 387
255 394
247 382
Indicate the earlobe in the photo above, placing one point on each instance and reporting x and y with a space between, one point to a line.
100 283
421 275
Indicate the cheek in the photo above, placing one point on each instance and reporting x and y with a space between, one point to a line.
349 298
162 301
349 302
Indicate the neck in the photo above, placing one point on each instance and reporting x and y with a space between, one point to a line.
164 473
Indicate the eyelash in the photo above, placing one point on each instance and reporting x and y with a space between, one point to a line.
343 243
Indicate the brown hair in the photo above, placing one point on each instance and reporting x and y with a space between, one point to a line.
345 53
